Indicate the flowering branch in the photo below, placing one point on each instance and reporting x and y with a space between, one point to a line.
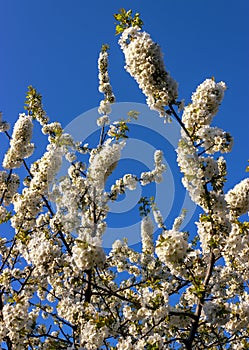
59 289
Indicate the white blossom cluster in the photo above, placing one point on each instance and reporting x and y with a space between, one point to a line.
127 181
216 313
104 119
211 167
191 166
205 103
41 252
147 230
106 88
210 236
91 336
104 80
144 62
204 176
55 132
144 317
104 108
158 217
9 184
239 316
130 181
103 162
29 203
44 170
156 174
3 214
238 241
16 317
59 289
200 170
69 309
50 128
171 248
67 198
179 220
238 198
88 252
20 146
215 139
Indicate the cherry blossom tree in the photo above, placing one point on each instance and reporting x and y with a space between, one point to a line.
59 289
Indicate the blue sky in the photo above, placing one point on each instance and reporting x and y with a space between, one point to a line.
54 46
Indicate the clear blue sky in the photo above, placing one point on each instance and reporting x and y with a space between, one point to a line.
54 46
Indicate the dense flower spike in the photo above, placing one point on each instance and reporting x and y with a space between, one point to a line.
145 64
33 105
104 80
238 198
103 162
29 203
191 166
104 87
147 230
60 289
205 103
20 146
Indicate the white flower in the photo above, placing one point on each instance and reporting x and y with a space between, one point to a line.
238 198
3 214
171 247
88 252
29 204
158 217
156 174
103 163
104 120
147 230
178 221
214 139
104 80
216 313
50 128
130 181
205 104
70 157
104 107
144 62
20 146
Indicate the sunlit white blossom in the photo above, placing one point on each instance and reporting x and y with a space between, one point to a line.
238 198
103 162
156 173
205 103
144 62
147 230
20 146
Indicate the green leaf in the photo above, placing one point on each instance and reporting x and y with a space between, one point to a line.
118 16
119 29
